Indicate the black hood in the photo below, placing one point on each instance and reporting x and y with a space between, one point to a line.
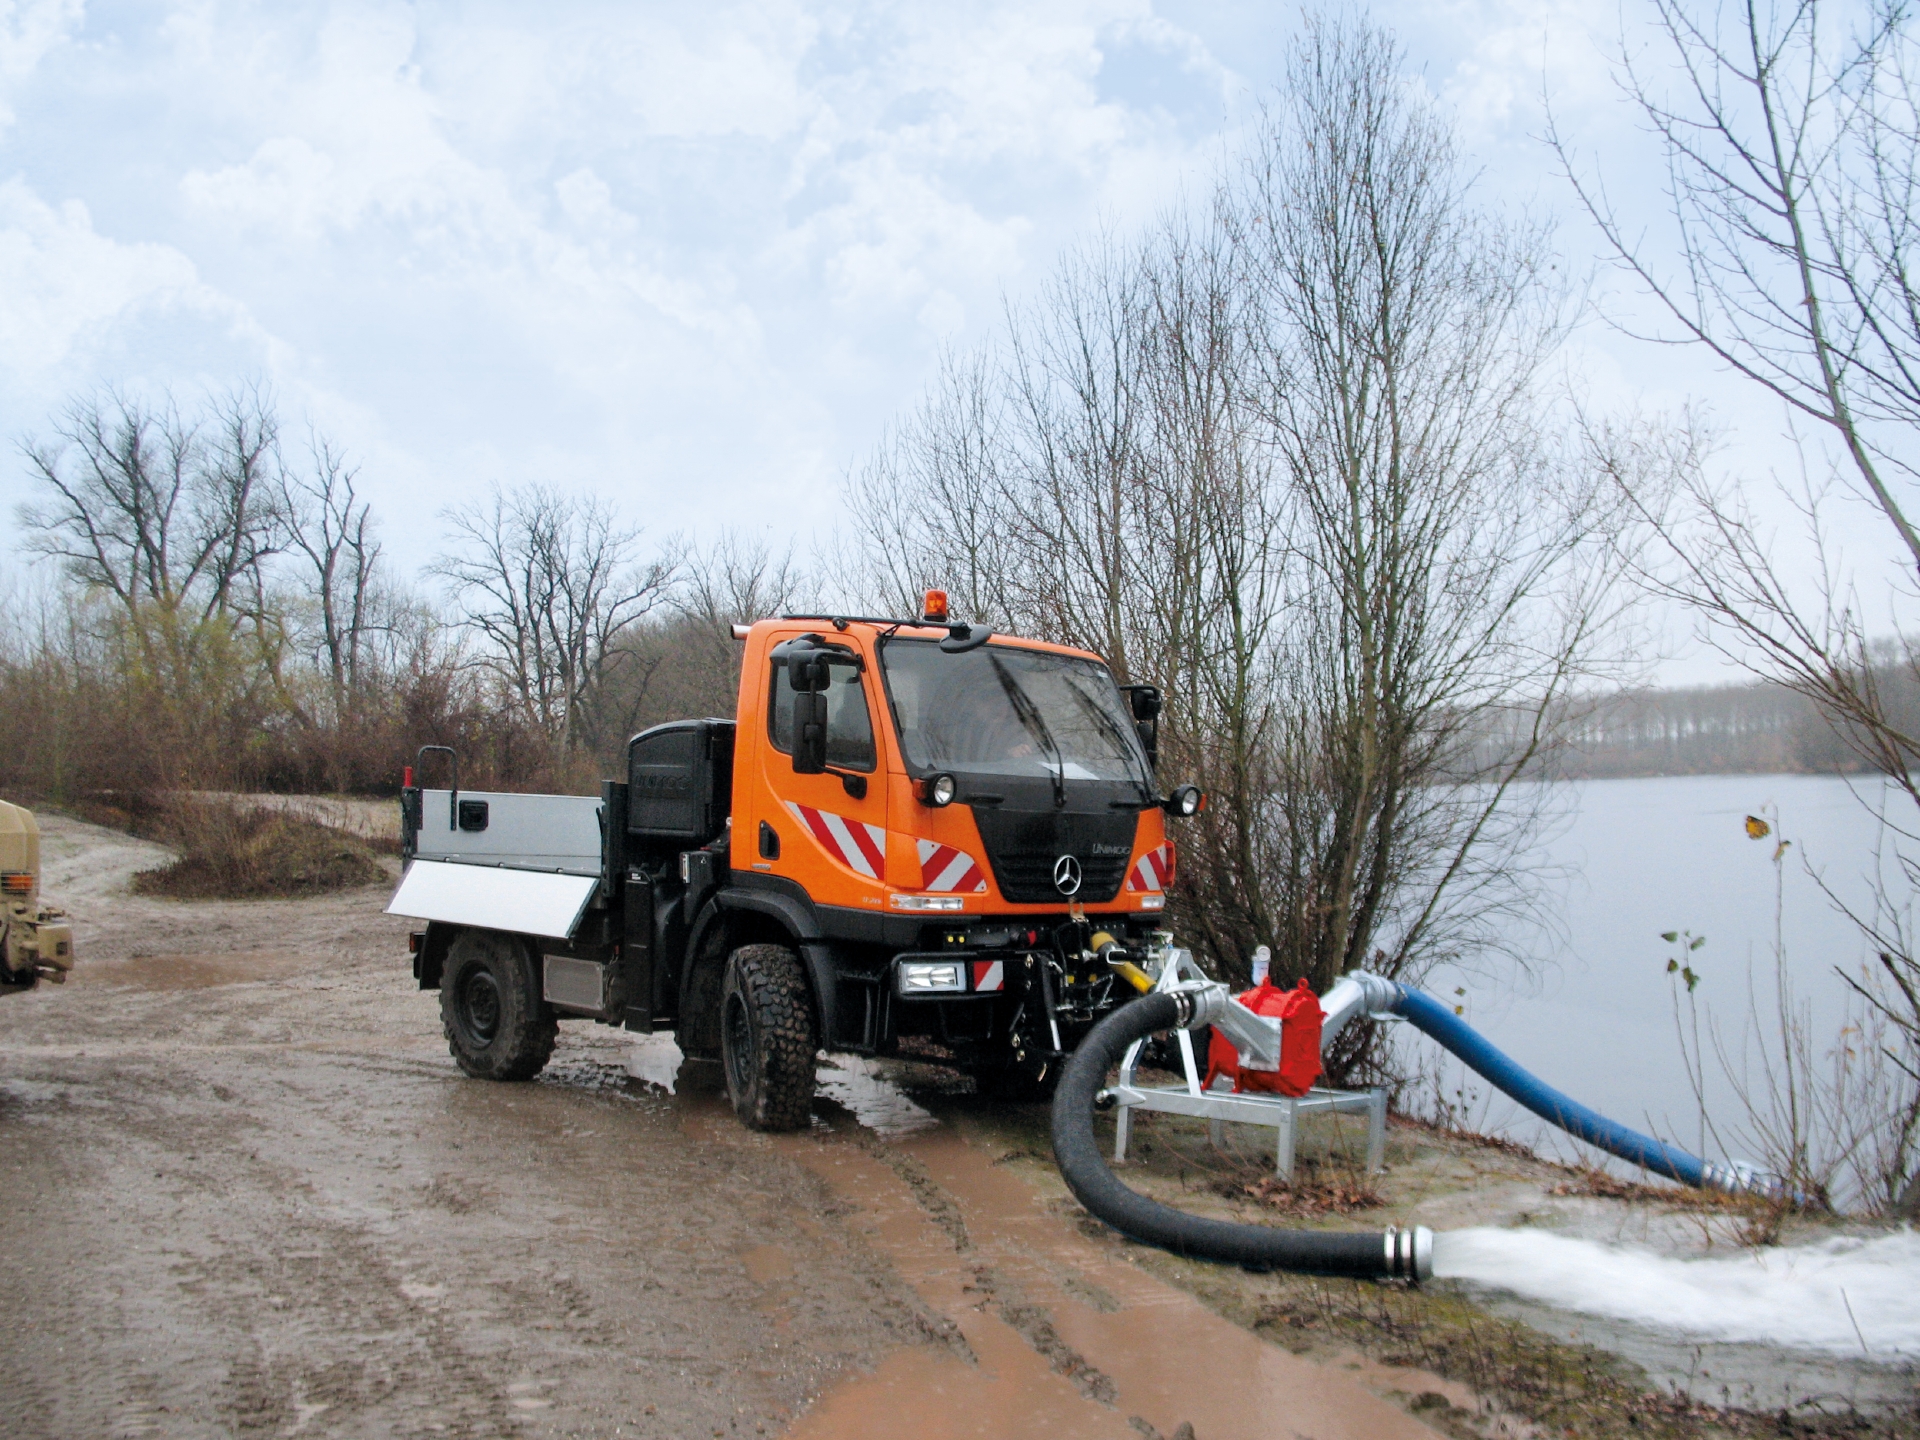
1026 836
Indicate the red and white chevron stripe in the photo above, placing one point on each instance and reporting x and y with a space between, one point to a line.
989 975
944 869
1154 872
859 846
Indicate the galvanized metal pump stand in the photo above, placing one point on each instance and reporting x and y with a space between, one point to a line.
1221 1105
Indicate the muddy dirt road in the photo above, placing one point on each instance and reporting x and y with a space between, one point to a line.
246 1192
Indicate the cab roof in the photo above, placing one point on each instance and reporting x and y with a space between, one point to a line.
923 630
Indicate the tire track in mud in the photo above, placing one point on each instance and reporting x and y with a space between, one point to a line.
1068 1338
1032 1323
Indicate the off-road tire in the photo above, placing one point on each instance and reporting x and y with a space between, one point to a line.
767 1040
497 1026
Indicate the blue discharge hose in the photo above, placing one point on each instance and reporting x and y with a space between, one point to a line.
1438 1021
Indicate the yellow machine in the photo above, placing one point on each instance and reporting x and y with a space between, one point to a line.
34 943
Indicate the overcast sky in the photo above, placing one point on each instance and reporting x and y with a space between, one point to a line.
692 257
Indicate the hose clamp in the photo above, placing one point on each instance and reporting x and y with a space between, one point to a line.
1196 1004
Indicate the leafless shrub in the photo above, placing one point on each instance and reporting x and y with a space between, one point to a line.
233 851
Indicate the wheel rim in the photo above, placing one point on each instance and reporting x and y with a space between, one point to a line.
480 1005
736 1041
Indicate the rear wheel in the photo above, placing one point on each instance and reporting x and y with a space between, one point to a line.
498 1027
767 1040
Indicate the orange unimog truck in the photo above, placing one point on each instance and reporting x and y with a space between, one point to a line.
910 830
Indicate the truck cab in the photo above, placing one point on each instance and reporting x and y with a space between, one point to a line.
911 835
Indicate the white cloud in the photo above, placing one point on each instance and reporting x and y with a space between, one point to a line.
695 256
29 31
62 283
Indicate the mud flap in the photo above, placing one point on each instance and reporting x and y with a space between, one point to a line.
823 974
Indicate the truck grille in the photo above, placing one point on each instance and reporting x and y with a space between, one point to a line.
1023 847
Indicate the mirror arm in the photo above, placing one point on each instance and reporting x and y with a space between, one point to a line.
851 781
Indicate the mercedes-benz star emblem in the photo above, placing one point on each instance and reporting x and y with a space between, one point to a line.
1066 875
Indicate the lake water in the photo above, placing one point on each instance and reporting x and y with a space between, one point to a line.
1639 857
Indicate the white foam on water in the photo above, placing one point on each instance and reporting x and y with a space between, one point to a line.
1851 1295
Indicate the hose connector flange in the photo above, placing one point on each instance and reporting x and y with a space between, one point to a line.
1409 1252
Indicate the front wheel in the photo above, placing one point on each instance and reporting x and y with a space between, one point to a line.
498 1027
767 1040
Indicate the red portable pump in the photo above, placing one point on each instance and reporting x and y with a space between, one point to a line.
1299 1014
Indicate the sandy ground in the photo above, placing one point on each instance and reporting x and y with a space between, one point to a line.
247 1192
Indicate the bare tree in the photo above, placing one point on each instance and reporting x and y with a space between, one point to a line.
166 525
682 661
1791 168
1287 460
1436 535
933 495
330 526
152 509
549 580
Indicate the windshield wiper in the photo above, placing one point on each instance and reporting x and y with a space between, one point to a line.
1128 745
1036 724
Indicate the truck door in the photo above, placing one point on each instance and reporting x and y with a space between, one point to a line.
826 832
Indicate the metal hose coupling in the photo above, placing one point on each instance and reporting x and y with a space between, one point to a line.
1409 1253
1256 1037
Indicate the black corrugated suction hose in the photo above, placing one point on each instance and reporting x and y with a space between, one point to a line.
1393 1252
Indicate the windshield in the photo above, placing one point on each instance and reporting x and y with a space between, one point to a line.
1003 711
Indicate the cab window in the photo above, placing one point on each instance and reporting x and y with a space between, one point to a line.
849 730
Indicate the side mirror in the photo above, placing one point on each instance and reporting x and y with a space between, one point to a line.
809 728
1144 701
807 672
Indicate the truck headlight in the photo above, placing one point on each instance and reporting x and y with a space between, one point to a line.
1153 902
931 977
927 902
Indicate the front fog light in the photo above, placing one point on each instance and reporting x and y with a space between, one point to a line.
918 977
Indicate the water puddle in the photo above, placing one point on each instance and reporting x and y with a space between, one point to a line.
767 1265
1046 1331
862 1087
655 1060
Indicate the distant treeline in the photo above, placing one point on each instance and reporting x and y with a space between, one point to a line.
217 614
1752 729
